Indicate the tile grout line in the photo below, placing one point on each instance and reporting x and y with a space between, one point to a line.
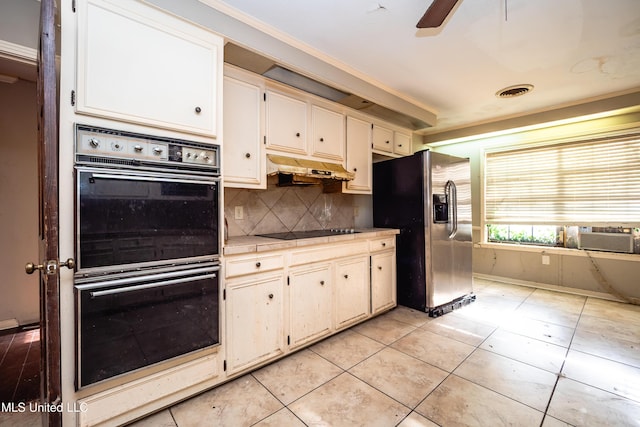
560 374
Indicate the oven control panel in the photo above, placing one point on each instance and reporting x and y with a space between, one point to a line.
121 146
100 145
198 156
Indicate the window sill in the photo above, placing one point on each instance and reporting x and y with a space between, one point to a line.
548 250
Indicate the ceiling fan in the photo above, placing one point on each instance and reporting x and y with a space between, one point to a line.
436 13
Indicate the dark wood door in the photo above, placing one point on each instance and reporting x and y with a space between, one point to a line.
48 194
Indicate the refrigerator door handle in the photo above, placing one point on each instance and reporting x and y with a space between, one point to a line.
452 193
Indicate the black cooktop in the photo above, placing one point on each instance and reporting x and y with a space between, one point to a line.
292 235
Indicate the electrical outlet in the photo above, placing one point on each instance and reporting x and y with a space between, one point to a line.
239 212
545 259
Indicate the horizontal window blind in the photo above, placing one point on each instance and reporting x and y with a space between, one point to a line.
591 182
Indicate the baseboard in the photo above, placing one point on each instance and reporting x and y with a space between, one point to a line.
8 324
549 287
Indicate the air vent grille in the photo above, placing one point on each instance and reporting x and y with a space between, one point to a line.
513 91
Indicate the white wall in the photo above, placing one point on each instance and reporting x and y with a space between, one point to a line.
568 269
19 206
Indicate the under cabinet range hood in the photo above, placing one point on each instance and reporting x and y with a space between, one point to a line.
294 171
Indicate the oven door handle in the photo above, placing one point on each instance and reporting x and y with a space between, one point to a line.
96 294
152 178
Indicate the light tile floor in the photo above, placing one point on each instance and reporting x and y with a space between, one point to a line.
517 356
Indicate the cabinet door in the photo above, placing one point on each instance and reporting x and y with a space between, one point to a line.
382 139
327 138
383 281
286 123
244 162
138 64
351 289
401 143
359 155
309 303
255 321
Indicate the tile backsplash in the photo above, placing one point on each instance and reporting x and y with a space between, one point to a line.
280 209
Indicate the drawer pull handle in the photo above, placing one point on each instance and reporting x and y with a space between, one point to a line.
270 296
198 110
321 139
248 155
298 134
379 267
322 282
258 264
346 276
384 244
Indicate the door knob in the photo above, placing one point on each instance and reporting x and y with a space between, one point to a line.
50 267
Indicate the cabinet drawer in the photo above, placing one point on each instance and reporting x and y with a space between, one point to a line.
324 253
256 264
382 244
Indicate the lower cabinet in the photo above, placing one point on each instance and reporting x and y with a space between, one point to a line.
383 281
351 291
309 303
279 301
255 320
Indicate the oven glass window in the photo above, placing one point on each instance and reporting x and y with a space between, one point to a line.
126 221
129 329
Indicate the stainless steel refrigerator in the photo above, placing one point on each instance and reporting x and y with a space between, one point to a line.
428 197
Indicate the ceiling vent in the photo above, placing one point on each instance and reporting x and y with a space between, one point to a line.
513 91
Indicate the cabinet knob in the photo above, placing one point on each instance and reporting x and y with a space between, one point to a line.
248 155
379 267
198 110
384 244
321 139
387 142
298 134
322 282
399 145
346 276
258 264
355 169
270 296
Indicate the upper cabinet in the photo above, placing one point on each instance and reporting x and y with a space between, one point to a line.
389 141
286 123
382 139
327 138
358 156
303 125
401 143
243 155
140 65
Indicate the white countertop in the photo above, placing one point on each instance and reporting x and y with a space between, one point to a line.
248 244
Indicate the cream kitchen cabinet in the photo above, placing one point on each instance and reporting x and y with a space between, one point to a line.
351 291
401 143
244 159
255 320
358 156
382 138
383 274
327 136
286 121
389 141
138 64
280 300
309 303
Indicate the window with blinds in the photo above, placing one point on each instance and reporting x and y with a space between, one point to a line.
595 183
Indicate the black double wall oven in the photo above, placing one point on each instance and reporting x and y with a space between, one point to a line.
147 251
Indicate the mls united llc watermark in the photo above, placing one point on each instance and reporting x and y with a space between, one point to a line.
43 407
